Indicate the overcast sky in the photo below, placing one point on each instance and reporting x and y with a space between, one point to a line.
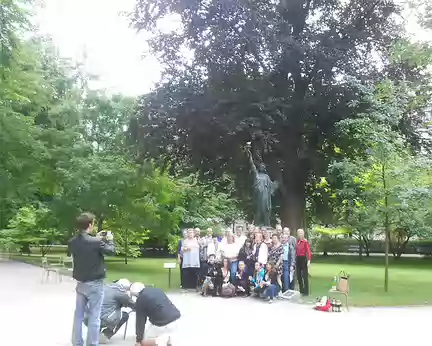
113 50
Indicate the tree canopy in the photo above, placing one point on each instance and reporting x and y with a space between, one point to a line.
64 150
280 74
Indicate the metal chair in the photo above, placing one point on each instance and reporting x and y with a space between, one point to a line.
335 291
48 268
66 267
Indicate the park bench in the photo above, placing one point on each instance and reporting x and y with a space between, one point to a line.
354 248
424 250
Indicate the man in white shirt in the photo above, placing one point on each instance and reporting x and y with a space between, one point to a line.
240 238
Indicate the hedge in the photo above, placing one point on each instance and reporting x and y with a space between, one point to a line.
342 245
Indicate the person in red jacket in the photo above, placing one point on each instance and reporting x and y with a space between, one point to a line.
304 256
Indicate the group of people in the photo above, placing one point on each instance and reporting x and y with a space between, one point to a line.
99 305
260 261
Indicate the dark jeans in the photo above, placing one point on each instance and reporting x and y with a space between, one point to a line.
271 291
303 275
286 276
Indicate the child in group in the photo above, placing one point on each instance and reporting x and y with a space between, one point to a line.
270 283
256 279
241 280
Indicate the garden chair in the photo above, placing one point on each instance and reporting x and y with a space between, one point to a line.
66 267
49 268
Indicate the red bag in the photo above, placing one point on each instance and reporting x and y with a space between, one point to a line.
327 307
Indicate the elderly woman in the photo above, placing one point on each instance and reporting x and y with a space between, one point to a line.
191 260
275 256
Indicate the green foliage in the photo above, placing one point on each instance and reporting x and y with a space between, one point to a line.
63 150
277 74
29 227
383 186
173 241
204 206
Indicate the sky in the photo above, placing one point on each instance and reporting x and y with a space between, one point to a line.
113 50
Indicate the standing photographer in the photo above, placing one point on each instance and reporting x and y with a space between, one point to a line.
89 271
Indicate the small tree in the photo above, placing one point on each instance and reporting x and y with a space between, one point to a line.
30 227
374 183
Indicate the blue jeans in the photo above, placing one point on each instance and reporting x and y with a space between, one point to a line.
271 291
234 266
286 275
89 297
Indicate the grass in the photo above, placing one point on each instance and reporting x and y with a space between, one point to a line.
410 278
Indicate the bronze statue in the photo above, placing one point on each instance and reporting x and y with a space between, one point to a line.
264 189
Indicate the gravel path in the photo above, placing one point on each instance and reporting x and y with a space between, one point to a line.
41 315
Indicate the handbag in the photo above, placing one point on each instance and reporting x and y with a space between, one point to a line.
228 290
342 284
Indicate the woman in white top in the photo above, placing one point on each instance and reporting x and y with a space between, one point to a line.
260 249
191 260
231 251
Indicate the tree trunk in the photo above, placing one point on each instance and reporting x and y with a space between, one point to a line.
100 223
126 247
366 246
293 198
387 231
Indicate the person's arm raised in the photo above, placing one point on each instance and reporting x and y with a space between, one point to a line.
107 246
252 163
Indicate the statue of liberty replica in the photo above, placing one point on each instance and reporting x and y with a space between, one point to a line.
264 188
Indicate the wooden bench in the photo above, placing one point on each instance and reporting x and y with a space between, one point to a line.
354 248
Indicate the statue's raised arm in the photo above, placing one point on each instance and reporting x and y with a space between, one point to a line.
251 162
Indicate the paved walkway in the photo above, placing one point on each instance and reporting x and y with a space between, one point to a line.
35 314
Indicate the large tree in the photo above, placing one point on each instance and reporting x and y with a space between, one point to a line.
277 73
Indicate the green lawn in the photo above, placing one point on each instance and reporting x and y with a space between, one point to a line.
410 279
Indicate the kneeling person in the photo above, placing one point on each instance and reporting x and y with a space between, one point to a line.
153 304
116 297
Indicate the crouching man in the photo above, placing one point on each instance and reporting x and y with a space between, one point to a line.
116 297
153 304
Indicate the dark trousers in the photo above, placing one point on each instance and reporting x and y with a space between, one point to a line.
109 333
302 275
181 271
190 277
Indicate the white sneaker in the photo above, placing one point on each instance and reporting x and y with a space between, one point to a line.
103 339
